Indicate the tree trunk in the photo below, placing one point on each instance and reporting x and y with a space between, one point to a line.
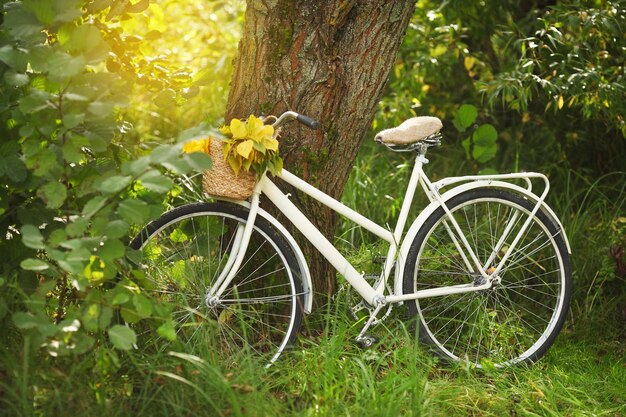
328 60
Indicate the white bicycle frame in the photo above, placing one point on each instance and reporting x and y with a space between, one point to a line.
374 295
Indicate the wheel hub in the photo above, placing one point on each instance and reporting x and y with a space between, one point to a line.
211 301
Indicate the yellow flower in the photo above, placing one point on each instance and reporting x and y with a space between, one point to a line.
257 131
238 129
197 145
244 148
251 145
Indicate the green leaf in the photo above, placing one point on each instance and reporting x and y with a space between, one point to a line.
136 167
57 237
77 227
484 139
36 101
72 266
113 184
153 180
73 148
15 79
111 249
485 135
42 9
32 237
13 58
138 7
85 38
22 25
116 229
167 330
163 153
465 116
36 265
78 255
93 206
53 194
488 171
70 121
130 315
45 164
166 99
117 8
96 317
13 168
143 305
25 320
98 5
484 154
100 109
120 298
199 161
134 211
122 337
259 147
178 236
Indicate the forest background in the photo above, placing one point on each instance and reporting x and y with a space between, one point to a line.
96 96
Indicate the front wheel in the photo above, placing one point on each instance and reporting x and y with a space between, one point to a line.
185 251
518 318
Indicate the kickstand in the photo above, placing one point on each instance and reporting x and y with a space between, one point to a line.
364 340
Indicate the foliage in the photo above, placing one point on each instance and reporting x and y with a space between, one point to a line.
250 144
513 61
178 54
574 59
72 190
481 144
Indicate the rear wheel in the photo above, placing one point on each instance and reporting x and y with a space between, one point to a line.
519 317
182 255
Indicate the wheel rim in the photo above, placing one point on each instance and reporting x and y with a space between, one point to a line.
510 322
256 314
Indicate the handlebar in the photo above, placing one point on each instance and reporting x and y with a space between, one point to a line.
308 122
305 120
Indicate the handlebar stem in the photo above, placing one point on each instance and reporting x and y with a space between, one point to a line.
288 115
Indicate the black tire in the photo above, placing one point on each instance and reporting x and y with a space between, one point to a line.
516 320
183 253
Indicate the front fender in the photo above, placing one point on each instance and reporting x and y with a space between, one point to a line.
417 224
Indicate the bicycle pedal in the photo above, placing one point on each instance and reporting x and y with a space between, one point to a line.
367 341
371 276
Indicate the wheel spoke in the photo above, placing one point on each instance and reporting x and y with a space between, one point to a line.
510 321
261 308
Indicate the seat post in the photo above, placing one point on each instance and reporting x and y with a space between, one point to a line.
421 153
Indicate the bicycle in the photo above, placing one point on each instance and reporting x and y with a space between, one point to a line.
484 269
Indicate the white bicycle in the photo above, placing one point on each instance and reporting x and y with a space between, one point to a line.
484 269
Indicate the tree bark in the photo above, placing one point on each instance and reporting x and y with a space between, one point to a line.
328 60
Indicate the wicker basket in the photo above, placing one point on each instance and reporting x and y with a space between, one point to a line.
221 181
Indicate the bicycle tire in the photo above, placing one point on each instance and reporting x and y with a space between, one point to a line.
183 252
515 321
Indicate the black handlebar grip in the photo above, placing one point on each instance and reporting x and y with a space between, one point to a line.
308 122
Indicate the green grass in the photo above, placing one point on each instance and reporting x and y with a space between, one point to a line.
326 374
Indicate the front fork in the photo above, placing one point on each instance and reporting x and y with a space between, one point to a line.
237 253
